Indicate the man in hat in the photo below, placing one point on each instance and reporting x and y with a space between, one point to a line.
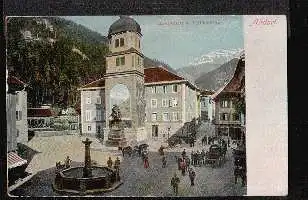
192 175
109 162
175 183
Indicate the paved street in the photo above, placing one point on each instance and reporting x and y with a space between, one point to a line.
154 181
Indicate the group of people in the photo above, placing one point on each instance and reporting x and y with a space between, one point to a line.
198 158
116 166
183 165
67 163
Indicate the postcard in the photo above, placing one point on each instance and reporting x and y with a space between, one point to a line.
147 105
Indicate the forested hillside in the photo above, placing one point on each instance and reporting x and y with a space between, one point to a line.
54 57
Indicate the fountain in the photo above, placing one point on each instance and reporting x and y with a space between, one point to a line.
87 179
116 136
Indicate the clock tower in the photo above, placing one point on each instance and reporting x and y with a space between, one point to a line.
124 79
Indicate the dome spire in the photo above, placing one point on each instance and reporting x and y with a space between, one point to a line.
125 23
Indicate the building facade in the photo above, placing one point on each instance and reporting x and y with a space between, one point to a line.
227 119
207 106
170 102
93 116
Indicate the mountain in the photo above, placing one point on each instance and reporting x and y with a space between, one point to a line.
207 63
219 56
148 62
192 72
54 57
215 79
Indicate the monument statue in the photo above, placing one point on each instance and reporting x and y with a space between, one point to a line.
116 136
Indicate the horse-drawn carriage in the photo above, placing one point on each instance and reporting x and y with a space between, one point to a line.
140 150
215 155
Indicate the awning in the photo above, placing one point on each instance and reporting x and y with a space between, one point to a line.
13 160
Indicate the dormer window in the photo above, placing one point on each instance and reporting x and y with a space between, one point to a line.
116 43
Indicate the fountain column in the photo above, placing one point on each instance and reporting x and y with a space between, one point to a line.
87 171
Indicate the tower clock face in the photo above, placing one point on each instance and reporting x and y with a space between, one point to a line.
119 94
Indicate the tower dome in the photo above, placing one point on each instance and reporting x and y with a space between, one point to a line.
125 23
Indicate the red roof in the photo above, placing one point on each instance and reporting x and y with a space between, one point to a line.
13 160
39 112
158 74
97 83
14 80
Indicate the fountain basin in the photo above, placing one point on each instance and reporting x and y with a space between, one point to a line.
71 180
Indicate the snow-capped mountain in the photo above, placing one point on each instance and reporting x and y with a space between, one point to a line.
208 62
219 56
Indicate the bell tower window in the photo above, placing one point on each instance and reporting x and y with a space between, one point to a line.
121 42
117 43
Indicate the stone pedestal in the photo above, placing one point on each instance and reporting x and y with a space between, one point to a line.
116 136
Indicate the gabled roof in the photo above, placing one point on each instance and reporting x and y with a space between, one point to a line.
159 74
14 80
236 83
39 112
95 84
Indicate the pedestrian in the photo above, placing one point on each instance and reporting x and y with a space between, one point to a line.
192 175
109 162
117 163
179 160
67 162
164 161
146 162
182 164
184 153
175 183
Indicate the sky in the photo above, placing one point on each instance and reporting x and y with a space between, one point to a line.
177 39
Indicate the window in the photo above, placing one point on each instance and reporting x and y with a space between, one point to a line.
17 133
170 102
224 116
174 88
98 100
133 60
165 117
98 115
165 89
154 116
18 115
175 116
88 100
122 60
138 60
117 43
224 104
88 115
174 102
154 89
154 130
121 42
236 117
139 44
154 103
164 103
117 61
89 127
